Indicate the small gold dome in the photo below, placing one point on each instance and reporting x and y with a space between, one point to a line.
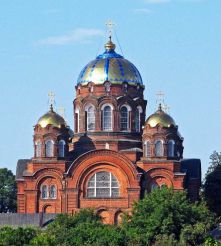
51 118
160 117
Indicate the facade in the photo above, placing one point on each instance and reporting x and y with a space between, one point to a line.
113 157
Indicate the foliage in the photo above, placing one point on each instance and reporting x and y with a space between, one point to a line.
8 191
16 236
169 215
84 228
162 218
212 184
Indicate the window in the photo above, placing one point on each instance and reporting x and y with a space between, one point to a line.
49 148
103 185
124 119
148 149
107 118
38 149
90 118
53 192
154 186
44 192
137 120
170 148
61 148
158 148
76 125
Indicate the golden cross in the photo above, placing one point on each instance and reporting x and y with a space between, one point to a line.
51 96
110 25
160 98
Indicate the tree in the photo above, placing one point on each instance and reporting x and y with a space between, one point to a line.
8 191
17 236
84 228
212 184
167 216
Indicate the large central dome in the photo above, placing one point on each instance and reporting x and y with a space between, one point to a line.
110 66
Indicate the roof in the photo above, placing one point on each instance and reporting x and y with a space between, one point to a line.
192 167
21 167
111 67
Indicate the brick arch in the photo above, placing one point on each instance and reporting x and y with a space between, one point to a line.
154 173
92 160
47 172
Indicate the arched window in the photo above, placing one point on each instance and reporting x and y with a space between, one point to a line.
53 192
170 148
77 119
44 192
158 148
148 149
137 118
49 148
61 148
124 119
103 185
154 186
107 118
90 118
38 149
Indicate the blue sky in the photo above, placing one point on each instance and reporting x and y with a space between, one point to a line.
175 44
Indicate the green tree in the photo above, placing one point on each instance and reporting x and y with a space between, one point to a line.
212 184
16 236
84 228
8 191
168 215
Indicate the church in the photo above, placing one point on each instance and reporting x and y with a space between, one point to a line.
115 154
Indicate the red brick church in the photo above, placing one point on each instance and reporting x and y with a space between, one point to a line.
113 157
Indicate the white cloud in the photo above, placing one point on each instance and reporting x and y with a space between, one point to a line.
79 35
143 10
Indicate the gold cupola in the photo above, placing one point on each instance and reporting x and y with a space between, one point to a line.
161 118
51 118
110 66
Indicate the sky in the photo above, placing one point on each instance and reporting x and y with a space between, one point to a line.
175 44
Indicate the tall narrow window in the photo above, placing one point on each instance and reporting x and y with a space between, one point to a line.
107 118
91 119
49 148
159 148
148 149
38 149
53 192
137 120
103 185
170 148
44 192
77 119
124 119
61 148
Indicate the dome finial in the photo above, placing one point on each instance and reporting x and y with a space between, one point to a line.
160 107
110 45
51 108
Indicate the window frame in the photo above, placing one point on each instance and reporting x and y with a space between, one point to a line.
52 148
111 117
63 148
88 115
95 187
162 148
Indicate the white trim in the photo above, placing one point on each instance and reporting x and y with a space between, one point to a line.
127 106
107 104
140 109
111 121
